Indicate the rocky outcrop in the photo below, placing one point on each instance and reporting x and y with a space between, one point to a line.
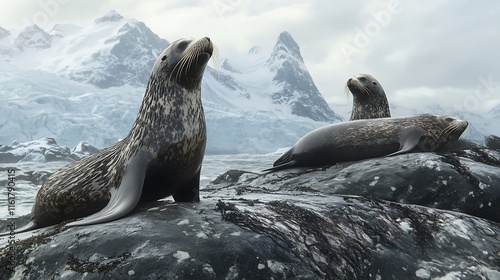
44 150
492 142
412 216
33 37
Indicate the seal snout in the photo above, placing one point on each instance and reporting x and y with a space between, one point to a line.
209 46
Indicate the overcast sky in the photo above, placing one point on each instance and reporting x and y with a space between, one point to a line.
438 51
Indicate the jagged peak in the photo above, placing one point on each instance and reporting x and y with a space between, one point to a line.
32 28
32 36
287 40
111 16
285 48
4 33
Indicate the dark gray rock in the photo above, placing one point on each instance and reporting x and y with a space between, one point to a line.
464 181
295 224
492 142
41 150
34 177
461 144
7 157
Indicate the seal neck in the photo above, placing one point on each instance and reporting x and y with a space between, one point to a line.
168 113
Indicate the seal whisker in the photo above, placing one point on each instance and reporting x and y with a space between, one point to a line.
347 90
215 59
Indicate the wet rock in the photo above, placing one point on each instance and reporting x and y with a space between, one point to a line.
295 224
464 181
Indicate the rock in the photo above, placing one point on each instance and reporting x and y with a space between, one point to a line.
295 224
7 157
461 144
34 177
84 149
463 181
492 142
41 150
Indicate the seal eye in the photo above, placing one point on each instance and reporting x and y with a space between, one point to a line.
362 79
448 119
375 83
163 58
182 46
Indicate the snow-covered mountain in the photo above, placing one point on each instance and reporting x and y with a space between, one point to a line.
77 84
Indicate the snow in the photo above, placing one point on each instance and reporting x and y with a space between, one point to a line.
88 84
181 256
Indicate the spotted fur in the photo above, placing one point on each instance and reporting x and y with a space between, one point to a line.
169 134
362 139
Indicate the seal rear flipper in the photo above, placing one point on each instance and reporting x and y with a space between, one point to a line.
409 139
30 226
125 197
286 165
189 192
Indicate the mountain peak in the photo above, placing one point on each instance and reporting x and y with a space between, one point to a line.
111 16
33 36
285 48
4 33
287 41
298 88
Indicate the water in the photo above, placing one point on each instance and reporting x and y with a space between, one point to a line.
213 166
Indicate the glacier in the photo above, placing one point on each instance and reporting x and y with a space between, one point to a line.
86 83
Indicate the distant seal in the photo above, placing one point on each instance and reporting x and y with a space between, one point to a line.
161 156
362 139
369 99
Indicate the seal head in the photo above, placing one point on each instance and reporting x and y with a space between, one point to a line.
369 99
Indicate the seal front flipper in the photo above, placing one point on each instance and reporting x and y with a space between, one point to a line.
189 192
125 197
409 139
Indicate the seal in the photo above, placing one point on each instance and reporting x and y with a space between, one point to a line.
161 156
363 139
369 99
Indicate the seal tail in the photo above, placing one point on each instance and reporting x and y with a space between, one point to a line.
30 226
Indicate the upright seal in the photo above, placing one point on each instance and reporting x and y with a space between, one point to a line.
369 99
363 139
161 156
